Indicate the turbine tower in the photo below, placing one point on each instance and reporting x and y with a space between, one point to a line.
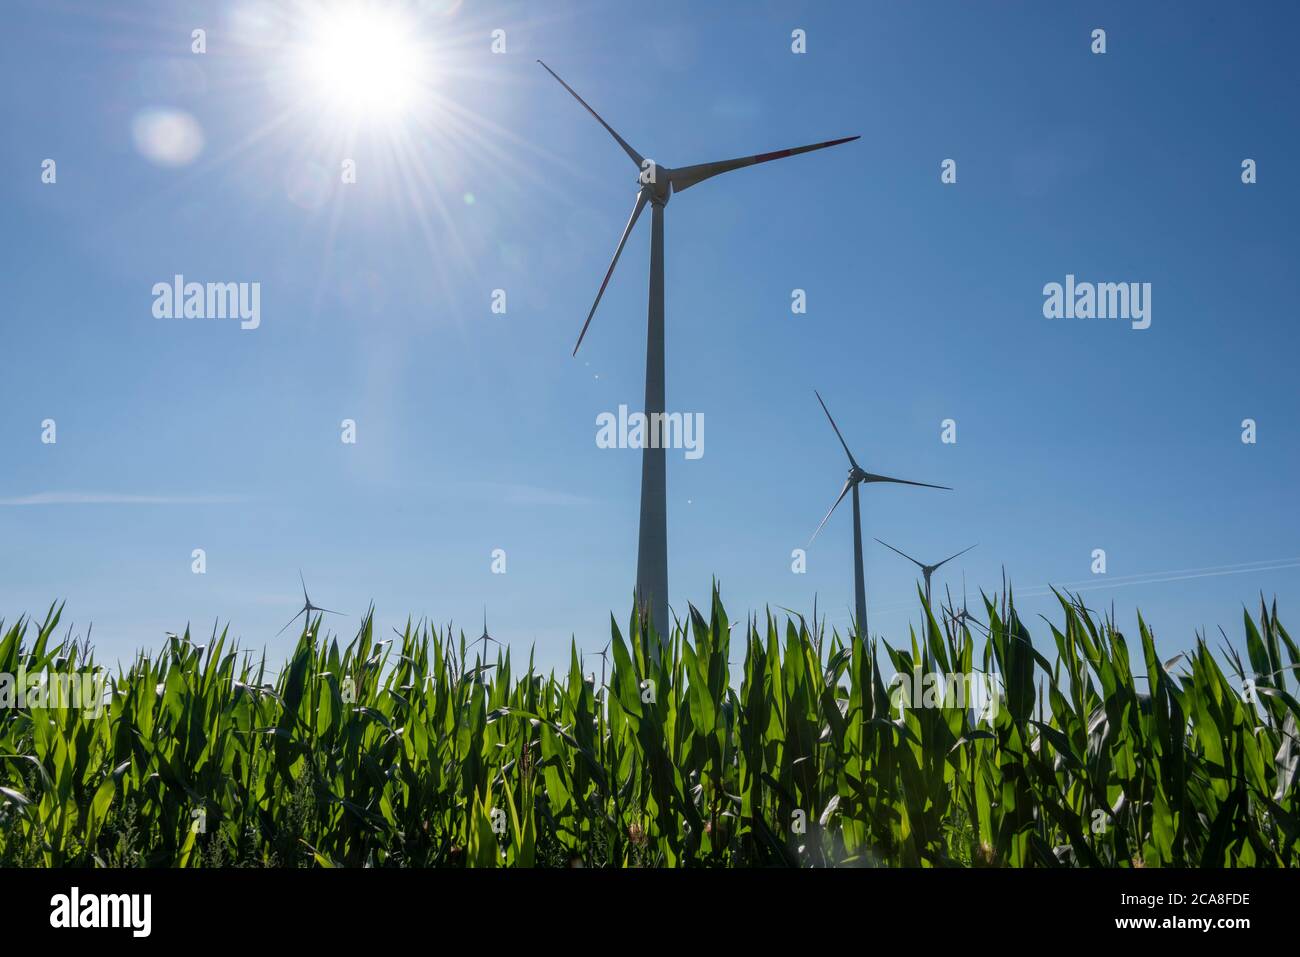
927 570
858 477
656 185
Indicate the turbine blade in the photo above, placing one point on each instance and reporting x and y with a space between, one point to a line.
848 484
951 557
636 157
688 176
290 622
852 460
325 610
304 587
885 478
903 553
627 230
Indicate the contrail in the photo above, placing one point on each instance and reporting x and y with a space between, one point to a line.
1143 578
1158 577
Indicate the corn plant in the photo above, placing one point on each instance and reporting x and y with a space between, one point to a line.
416 752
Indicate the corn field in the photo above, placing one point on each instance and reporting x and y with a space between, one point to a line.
415 752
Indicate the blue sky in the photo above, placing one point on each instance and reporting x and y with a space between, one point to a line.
476 431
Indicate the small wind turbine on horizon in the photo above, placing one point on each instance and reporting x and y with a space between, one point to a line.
656 185
307 608
926 570
857 476
484 638
603 655
963 616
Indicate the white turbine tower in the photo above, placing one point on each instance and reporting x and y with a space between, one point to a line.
858 477
656 185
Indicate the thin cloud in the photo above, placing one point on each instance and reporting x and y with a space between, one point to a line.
111 498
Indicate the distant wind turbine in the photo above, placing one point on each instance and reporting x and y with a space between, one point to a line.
307 608
858 477
656 185
603 655
485 638
962 617
926 570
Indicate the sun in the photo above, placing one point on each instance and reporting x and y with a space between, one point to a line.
362 61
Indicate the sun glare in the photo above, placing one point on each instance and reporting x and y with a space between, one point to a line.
362 61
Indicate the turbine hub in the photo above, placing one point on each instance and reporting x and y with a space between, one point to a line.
658 191
856 474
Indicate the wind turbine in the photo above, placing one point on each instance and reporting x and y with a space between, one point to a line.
656 185
603 655
858 477
926 570
307 608
960 618
484 639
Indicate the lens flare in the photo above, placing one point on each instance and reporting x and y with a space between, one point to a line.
167 137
